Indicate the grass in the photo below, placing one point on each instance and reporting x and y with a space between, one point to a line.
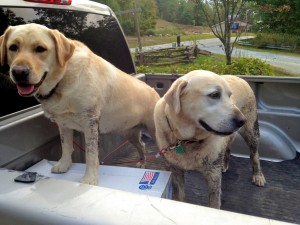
160 39
279 72
156 40
275 51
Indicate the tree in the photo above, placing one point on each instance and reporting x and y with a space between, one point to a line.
281 16
199 16
220 16
185 12
180 11
147 17
167 10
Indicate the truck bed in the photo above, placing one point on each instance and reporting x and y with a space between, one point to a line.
28 137
278 199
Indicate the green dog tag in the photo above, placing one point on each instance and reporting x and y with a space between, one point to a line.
179 149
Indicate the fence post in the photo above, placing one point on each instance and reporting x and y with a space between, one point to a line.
178 41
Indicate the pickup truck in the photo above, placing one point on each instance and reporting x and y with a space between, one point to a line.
27 137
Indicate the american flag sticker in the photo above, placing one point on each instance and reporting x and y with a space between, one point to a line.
149 178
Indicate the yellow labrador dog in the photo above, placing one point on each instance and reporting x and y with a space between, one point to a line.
197 120
78 90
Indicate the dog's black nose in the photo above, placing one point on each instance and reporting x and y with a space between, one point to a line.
20 73
238 122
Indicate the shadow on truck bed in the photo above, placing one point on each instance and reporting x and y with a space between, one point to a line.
278 200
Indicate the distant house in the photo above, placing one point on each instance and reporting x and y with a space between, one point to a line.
240 26
237 25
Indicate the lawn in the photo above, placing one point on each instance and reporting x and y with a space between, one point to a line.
156 40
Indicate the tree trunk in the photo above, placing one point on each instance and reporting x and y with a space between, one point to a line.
227 47
228 58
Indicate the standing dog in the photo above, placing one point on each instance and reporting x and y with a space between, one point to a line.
78 90
197 120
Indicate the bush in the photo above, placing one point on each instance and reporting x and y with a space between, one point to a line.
263 39
239 66
150 32
249 66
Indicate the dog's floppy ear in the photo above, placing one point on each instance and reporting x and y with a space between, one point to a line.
3 40
172 96
64 47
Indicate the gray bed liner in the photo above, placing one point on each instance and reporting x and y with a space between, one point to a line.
279 199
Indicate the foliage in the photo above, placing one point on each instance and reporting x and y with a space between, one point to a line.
180 11
146 18
239 66
280 16
249 66
284 39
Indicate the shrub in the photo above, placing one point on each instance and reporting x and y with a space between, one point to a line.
249 66
150 32
263 39
239 66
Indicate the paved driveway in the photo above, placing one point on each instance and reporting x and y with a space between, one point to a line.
288 63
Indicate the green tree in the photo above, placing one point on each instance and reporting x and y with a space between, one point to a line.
147 16
167 10
185 12
180 11
282 16
199 16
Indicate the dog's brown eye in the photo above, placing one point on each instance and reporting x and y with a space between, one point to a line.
40 49
13 48
215 95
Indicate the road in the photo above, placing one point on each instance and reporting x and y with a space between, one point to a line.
289 63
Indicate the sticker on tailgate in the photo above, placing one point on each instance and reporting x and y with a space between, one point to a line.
148 180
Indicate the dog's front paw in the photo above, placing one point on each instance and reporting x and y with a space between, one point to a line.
259 179
92 180
141 165
61 166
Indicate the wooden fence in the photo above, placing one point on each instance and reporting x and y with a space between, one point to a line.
169 56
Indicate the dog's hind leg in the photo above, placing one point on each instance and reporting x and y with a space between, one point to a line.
177 178
134 137
212 173
250 133
226 152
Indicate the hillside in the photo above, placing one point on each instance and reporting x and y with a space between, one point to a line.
187 29
166 32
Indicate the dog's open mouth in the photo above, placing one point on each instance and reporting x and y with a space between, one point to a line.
208 128
25 89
